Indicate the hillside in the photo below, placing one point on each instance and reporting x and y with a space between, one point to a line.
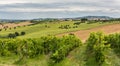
38 48
43 29
83 34
65 51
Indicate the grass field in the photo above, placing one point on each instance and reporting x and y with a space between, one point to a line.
39 30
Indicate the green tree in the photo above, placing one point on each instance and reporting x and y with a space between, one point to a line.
11 35
23 33
17 34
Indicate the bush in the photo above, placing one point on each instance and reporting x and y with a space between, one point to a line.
11 35
65 27
66 44
0 29
97 47
114 40
23 33
77 23
17 34
57 48
14 27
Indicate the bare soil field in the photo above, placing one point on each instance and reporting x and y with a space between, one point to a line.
84 34
12 25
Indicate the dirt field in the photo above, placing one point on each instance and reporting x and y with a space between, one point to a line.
12 25
84 34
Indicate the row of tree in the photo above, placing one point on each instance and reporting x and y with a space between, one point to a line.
67 26
14 35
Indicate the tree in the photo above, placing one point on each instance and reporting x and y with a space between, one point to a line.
11 35
83 20
17 34
14 27
77 23
23 33
0 29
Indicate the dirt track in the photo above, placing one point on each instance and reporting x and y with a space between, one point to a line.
83 34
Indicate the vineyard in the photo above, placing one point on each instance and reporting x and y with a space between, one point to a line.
57 49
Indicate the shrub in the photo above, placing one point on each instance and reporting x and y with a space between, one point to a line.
17 34
0 29
97 47
23 33
77 23
10 35
65 27
14 27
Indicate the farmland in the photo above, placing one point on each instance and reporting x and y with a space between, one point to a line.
44 44
59 33
48 28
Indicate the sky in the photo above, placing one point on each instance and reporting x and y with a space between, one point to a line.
31 9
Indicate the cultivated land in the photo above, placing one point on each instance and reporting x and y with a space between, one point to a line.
76 57
107 29
12 25
44 29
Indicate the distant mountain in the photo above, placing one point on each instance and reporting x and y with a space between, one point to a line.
98 17
77 18
10 20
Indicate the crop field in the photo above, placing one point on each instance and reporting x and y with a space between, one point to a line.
44 44
59 33
38 30
108 29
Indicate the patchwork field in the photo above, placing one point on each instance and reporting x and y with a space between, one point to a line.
108 29
32 50
44 29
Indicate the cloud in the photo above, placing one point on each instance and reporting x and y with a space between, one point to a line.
54 8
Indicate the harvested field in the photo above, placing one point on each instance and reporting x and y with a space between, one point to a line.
83 34
12 25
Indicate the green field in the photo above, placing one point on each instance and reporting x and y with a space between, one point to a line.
76 57
38 30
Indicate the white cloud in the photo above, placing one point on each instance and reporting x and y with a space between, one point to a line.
110 7
71 9
27 1
11 2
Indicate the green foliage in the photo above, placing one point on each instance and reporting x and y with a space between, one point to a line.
65 27
77 23
23 33
58 48
83 20
0 29
114 40
67 44
11 35
17 34
96 45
